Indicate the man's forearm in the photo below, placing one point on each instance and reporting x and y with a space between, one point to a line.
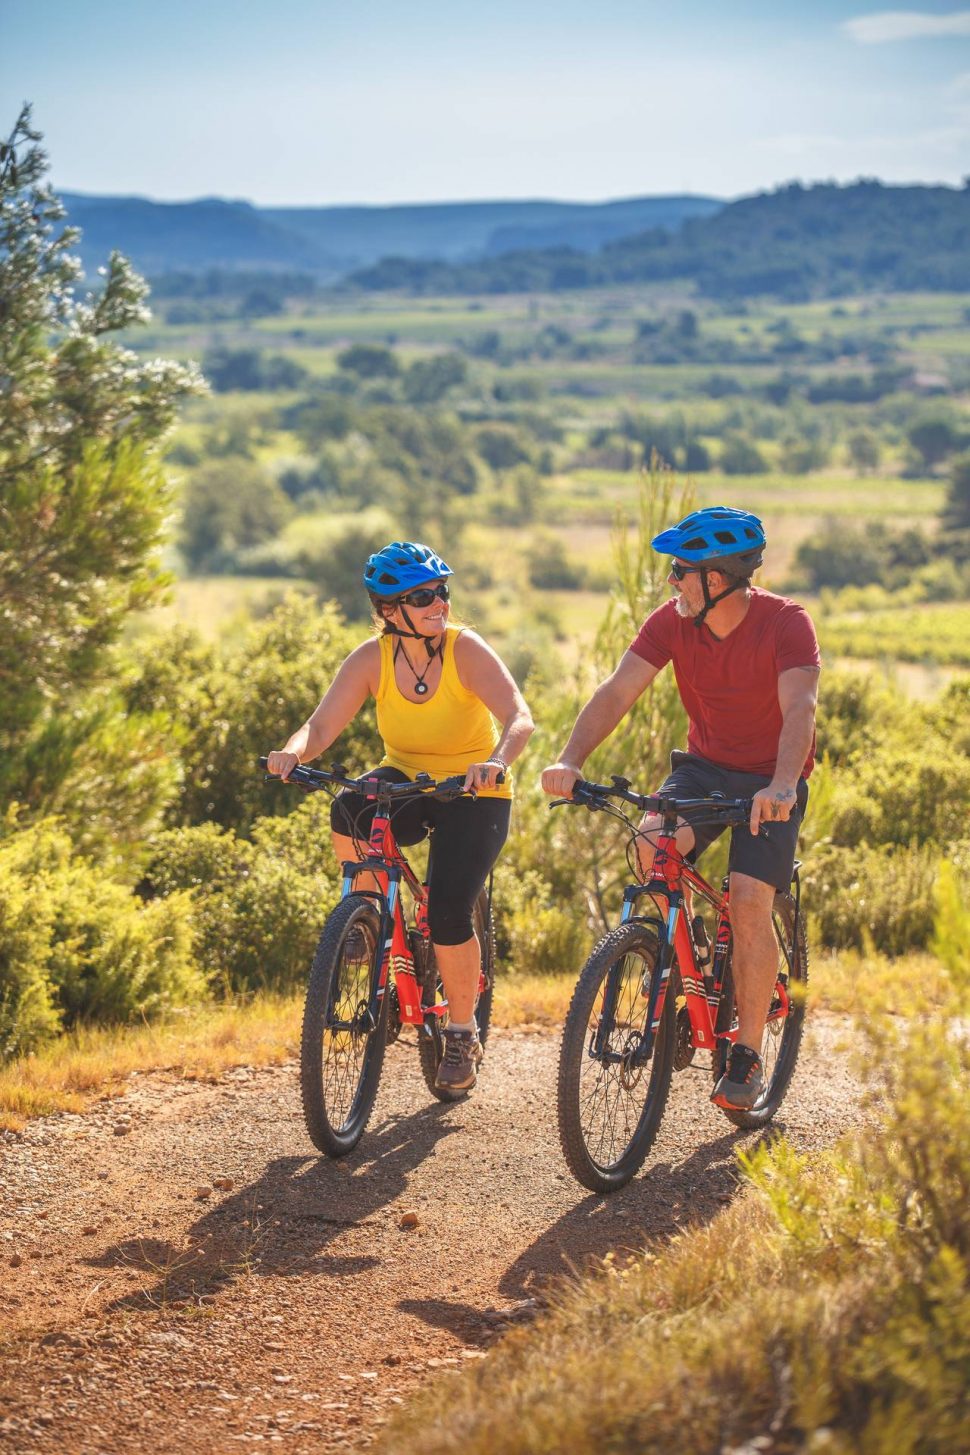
593 726
794 743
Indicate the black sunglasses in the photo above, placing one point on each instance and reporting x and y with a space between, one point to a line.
679 572
424 595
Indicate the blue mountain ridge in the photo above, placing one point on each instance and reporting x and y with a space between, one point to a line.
329 242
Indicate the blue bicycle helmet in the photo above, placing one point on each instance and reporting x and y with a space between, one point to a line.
727 540
401 567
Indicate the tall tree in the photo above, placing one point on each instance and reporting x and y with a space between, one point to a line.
83 499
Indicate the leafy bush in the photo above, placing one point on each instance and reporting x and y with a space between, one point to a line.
329 550
251 370
550 566
228 506
879 898
228 706
536 930
900 795
840 555
741 456
76 946
257 907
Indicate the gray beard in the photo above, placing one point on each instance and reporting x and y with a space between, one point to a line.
683 608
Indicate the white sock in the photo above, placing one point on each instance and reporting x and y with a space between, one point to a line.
463 1025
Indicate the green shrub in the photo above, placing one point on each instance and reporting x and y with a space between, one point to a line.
228 506
903 795
856 710
230 705
28 1013
257 906
77 946
881 898
536 931
550 566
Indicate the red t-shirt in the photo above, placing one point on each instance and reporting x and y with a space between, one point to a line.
730 687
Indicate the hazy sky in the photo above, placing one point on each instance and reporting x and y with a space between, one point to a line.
308 101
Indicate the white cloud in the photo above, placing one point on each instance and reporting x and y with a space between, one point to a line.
906 25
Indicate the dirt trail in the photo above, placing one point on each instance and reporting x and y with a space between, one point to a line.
292 1309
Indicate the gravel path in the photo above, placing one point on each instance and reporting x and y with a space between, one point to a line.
288 1306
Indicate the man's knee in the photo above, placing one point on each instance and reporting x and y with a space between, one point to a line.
649 832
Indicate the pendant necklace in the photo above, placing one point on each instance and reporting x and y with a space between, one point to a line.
420 686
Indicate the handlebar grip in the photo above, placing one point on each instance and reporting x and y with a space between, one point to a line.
263 761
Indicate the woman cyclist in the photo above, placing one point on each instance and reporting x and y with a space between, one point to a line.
439 691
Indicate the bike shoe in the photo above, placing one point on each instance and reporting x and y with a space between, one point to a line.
743 1080
460 1061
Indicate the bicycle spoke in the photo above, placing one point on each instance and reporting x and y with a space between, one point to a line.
343 1051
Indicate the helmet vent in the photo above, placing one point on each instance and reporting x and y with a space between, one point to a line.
725 537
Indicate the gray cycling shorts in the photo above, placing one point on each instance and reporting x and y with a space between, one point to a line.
771 858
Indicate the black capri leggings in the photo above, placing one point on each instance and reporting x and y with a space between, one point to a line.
468 838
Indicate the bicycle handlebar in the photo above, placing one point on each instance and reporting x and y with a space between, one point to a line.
713 809
422 786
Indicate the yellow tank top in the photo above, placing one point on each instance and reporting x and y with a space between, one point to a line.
442 735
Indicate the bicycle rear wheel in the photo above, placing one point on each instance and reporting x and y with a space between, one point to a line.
782 1037
342 1050
610 1110
431 1038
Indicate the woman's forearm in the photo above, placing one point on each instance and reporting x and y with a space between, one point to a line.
515 734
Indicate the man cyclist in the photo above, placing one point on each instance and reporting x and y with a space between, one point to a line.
747 666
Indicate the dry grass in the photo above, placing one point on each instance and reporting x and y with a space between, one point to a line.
200 1044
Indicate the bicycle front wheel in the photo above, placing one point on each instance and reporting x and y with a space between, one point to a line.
342 1048
782 1037
610 1105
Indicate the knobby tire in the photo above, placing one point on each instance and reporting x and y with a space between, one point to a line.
606 1128
340 1070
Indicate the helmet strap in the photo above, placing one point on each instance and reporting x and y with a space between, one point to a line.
711 601
414 634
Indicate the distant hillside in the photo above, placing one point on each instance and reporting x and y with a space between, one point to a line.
164 237
795 243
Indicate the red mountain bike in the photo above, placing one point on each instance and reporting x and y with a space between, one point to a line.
374 971
655 991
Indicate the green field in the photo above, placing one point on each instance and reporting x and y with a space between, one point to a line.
583 383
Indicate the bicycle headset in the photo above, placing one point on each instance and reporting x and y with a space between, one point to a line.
398 568
718 538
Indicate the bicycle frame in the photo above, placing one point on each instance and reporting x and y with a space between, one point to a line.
388 865
670 872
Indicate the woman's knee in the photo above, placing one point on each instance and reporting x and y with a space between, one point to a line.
450 924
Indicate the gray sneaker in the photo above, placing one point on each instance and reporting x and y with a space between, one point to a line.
743 1080
460 1061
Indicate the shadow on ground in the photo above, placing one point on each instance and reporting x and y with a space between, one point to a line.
284 1222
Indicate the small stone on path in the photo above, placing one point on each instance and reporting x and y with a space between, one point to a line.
409 1220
